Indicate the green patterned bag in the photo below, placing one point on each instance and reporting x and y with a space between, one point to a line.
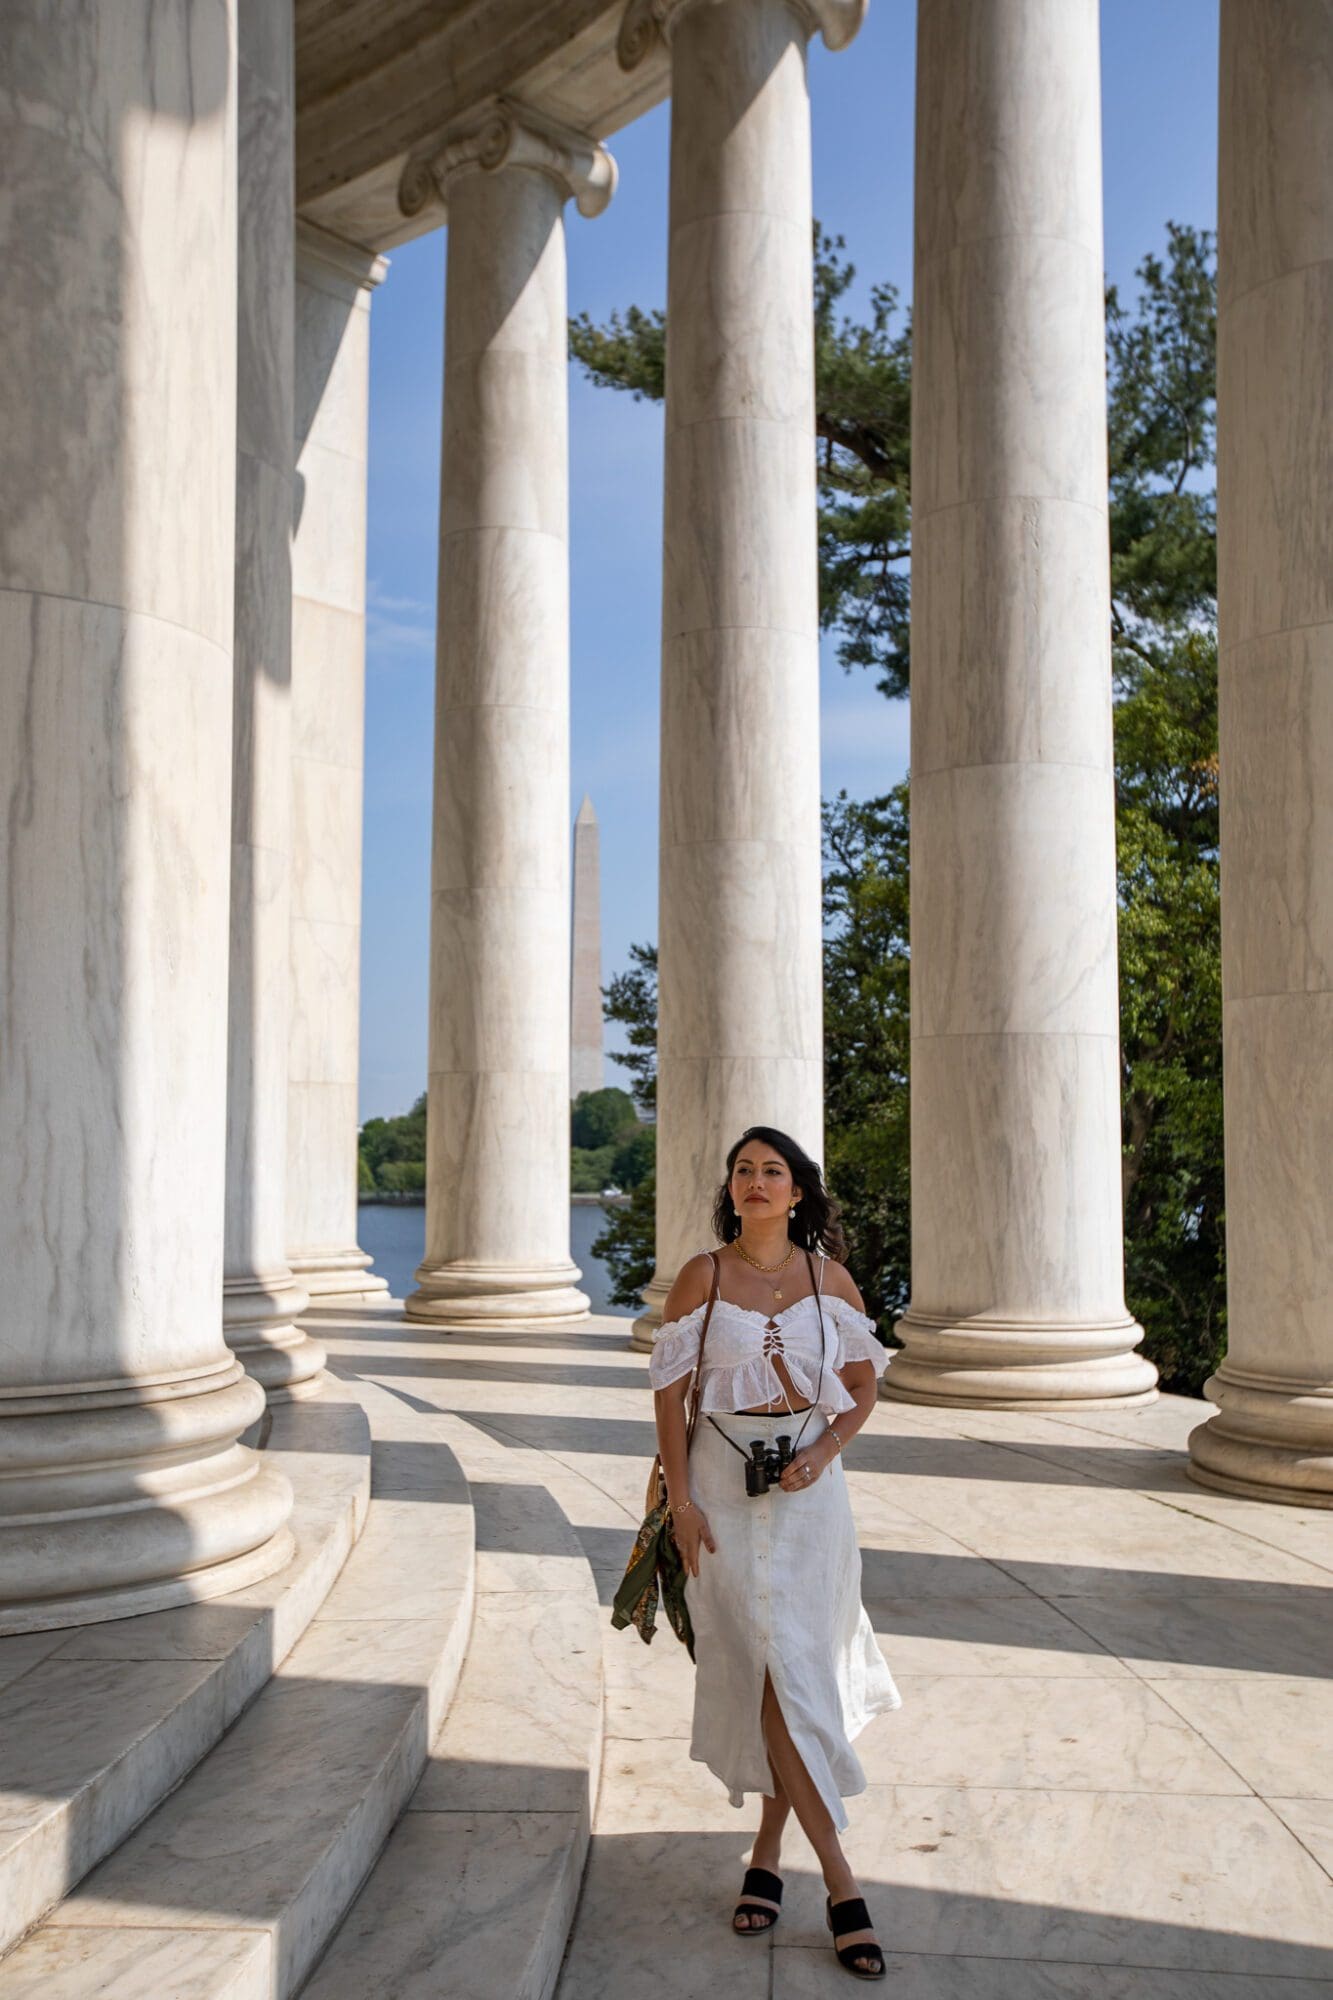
655 1572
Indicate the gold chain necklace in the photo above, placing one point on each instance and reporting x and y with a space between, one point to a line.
767 1269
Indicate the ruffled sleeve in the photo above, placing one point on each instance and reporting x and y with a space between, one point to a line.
676 1349
857 1338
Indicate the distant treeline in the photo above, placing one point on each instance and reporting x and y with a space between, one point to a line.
609 1147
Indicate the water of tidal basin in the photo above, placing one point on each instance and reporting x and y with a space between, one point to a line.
396 1238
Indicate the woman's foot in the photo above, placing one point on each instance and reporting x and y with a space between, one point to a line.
760 1903
854 1938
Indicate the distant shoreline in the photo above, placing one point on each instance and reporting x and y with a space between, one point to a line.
415 1198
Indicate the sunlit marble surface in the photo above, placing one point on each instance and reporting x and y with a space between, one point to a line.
1274 1390
497 1214
1017 1263
119 1403
739 944
261 1299
332 388
1110 1776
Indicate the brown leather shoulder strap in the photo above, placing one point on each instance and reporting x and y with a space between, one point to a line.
696 1388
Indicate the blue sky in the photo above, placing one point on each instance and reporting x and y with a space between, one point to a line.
1159 118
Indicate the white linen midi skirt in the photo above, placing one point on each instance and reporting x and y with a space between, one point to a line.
782 1594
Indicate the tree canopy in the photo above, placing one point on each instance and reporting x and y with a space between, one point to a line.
600 1116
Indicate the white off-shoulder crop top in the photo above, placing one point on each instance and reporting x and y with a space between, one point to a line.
738 1373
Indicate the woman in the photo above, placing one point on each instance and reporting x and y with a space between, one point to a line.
788 1667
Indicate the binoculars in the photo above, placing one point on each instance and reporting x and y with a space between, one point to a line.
766 1464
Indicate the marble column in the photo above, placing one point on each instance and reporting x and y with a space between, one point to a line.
497 1183
1017 1250
334 281
123 1486
740 1016
1272 1437
261 1300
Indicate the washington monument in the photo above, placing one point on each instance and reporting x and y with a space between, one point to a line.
586 1071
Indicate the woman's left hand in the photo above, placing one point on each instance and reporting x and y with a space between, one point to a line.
807 1465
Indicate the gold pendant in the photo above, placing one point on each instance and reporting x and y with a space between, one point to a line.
776 1293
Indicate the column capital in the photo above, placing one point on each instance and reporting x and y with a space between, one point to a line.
646 22
510 135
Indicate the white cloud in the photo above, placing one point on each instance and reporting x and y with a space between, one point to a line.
398 628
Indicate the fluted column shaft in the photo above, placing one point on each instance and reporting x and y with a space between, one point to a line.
261 1299
1272 1437
122 1483
1017 1248
333 285
497 1185
740 1014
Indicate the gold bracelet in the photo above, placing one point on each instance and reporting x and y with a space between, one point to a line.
678 1506
837 1440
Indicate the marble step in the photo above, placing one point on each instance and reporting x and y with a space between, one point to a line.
100 1724
232 1887
474 1894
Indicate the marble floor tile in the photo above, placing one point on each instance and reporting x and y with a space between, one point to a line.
1085 1536
654 1921
1160 1879
524 1730
1216 1635
657 1790
73 1723
383 1653
1277 1734
908 1573
476 1905
239 1839
803 1973
1311 1820
26 1650
57 1964
409 1563
189 1632
649 1689
1053 1735
1166 1422
988 1635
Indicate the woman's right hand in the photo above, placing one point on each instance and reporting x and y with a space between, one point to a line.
690 1532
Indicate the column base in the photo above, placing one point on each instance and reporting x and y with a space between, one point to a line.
1009 1364
1270 1439
467 1295
123 1497
259 1325
648 1323
337 1274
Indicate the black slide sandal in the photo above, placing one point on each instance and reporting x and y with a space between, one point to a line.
758 1882
853 1916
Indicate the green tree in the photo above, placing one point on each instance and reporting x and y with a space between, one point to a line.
634 1157
387 1146
600 1117
1171 1009
867 1040
590 1168
627 1244
1161 401
631 1001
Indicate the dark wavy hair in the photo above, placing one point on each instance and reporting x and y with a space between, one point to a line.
815 1225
